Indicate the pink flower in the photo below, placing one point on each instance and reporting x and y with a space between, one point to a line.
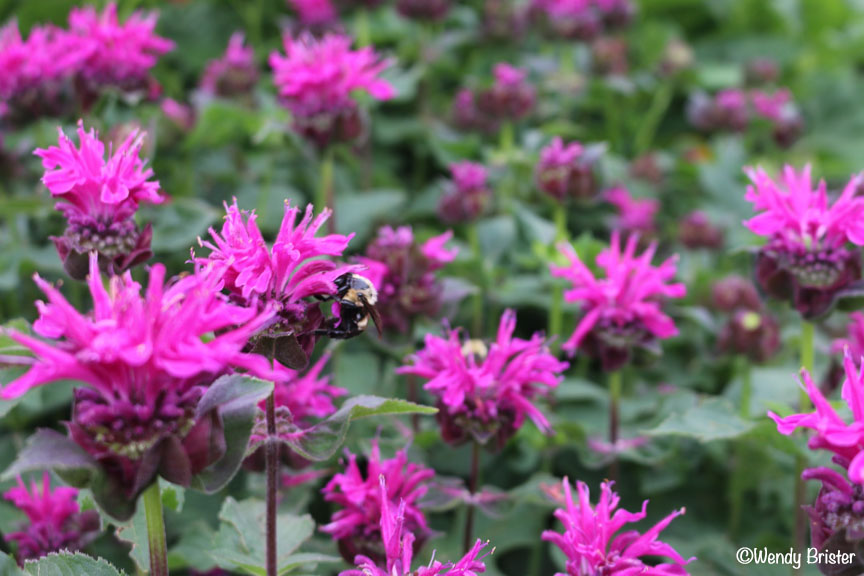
404 273
316 80
592 547
468 195
99 197
806 258
180 114
115 54
35 74
511 97
846 441
696 231
55 520
314 13
91 189
727 110
399 546
624 309
571 18
145 361
285 275
486 392
635 215
308 395
235 74
566 171
362 503
771 106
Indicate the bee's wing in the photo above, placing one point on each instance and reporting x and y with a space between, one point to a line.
373 313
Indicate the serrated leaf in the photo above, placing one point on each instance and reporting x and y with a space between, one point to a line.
50 450
66 564
8 566
713 419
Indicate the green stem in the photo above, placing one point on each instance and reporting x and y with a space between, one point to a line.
364 34
556 312
615 385
152 499
738 458
325 188
477 301
473 483
807 362
648 129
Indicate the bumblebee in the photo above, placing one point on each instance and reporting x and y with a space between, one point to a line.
357 297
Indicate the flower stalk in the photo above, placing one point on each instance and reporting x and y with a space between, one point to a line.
152 499
556 312
801 520
615 384
272 464
473 481
325 189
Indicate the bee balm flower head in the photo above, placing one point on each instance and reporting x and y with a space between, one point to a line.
468 194
99 197
806 258
116 54
235 74
624 309
486 392
399 544
316 80
567 171
362 503
55 521
145 361
590 542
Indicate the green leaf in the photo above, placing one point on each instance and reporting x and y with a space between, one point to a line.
178 224
497 236
50 450
236 397
321 441
8 566
240 542
361 212
66 564
713 419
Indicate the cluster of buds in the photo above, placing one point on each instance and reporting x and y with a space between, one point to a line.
636 216
568 171
806 258
509 99
233 75
697 232
423 10
750 330
467 195
584 19
404 272
735 110
315 16
505 19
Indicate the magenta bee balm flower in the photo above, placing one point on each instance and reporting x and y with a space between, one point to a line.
235 74
36 73
404 270
832 433
806 258
99 197
116 54
316 80
145 362
592 547
511 96
55 521
314 14
467 197
624 309
399 547
635 215
362 503
287 276
424 10
486 392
